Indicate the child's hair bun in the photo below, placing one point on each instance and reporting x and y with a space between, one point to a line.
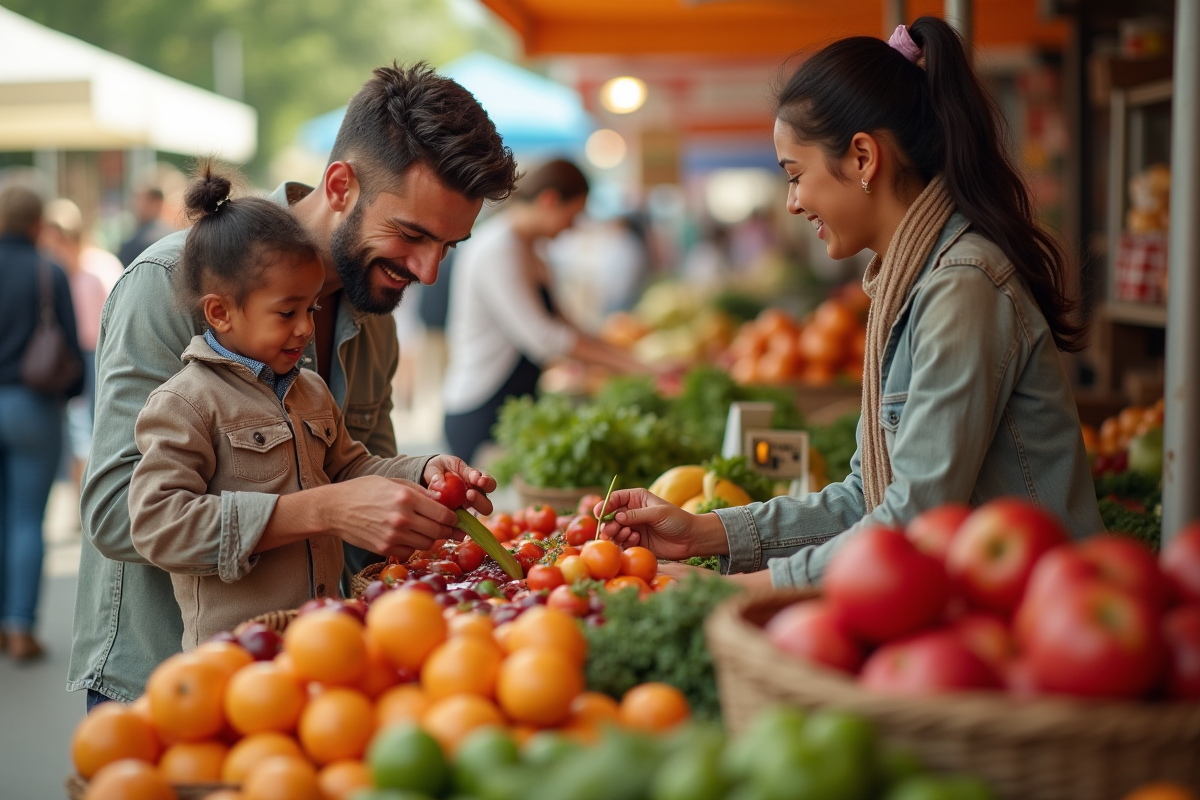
207 191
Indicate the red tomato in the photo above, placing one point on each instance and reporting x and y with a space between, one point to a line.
928 663
640 563
542 577
565 600
469 556
563 553
518 519
1181 628
502 531
932 530
529 554
883 588
1094 640
623 582
581 531
811 631
1181 563
587 505
453 494
987 637
542 519
393 573
447 569
994 551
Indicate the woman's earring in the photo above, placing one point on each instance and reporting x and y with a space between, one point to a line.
866 186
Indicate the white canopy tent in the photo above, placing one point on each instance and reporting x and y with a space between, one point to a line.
60 93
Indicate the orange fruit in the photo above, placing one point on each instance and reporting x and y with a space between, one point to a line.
522 733
327 646
380 675
255 748
112 732
141 707
461 665
408 625
537 684
1161 791
564 554
186 693
129 779
593 708
542 626
403 703
337 724
224 794
640 563
282 778
262 697
452 719
603 558
622 582
341 779
662 582
288 666
193 762
471 624
653 707
230 656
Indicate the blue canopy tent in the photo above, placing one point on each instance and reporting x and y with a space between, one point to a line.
535 115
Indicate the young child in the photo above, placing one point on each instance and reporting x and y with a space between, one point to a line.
242 423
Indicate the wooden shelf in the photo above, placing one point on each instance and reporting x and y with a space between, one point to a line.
1149 315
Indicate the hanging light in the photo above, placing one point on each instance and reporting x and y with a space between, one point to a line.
623 95
605 149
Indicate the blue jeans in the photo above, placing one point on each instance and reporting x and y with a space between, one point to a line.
30 447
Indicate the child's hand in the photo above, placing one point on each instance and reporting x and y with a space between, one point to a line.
478 483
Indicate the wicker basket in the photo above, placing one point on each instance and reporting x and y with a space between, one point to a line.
558 499
361 580
275 620
1044 749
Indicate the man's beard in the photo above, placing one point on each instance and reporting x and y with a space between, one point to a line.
355 266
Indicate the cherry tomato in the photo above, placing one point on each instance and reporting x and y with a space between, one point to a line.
542 577
662 582
518 520
529 554
603 558
447 569
393 573
469 556
581 531
501 526
417 565
639 562
622 582
453 493
574 569
588 503
541 519
563 599
562 554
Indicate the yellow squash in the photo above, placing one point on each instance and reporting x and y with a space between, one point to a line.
679 484
727 490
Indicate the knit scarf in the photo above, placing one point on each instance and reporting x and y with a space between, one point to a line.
887 282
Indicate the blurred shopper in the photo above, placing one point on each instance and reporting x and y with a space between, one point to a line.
895 147
30 422
503 324
147 210
413 162
63 240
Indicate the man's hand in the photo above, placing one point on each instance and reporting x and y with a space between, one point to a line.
649 521
389 516
478 483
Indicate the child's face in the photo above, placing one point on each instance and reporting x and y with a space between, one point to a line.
275 322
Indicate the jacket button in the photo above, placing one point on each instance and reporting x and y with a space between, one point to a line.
259 438
892 417
328 432
321 590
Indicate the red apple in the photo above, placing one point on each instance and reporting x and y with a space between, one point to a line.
988 637
260 641
315 604
928 663
1181 629
1018 679
883 587
1181 563
355 609
1094 640
932 530
811 631
995 549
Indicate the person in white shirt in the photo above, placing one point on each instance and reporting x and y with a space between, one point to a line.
503 325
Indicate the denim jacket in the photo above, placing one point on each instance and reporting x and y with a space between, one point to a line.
126 617
975 406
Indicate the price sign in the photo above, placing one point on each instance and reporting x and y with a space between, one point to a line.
782 455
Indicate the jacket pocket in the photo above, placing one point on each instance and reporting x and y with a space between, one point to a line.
891 411
258 451
323 431
360 420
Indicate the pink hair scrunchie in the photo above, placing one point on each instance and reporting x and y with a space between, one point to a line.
903 42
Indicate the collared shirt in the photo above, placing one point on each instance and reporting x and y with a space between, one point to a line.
279 383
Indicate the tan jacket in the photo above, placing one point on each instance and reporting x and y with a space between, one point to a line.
208 436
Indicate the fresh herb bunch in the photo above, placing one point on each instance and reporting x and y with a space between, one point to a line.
702 407
1130 502
1143 525
737 470
660 638
705 562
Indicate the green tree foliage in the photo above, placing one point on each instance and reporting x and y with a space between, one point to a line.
301 57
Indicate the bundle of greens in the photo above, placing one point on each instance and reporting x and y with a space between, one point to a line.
1130 502
660 638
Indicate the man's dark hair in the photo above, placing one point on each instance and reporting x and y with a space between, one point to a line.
411 114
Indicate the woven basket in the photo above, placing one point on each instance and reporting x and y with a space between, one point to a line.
558 499
361 580
1043 749
275 620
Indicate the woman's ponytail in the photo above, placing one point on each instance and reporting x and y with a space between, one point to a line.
943 122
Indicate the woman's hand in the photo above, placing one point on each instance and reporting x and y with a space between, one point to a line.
478 483
667 531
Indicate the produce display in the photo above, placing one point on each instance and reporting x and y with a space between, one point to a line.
1132 440
999 599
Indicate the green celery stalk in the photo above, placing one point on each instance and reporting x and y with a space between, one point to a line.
468 524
